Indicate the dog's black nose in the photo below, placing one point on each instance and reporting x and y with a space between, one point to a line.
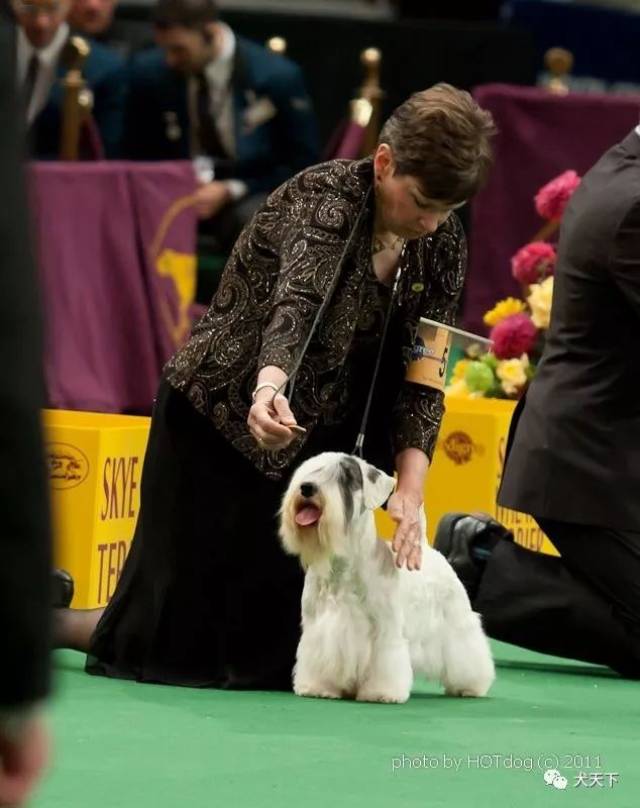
308 489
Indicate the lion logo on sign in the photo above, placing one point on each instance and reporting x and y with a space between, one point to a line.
459 447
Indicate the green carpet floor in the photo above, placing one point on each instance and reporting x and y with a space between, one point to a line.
125 745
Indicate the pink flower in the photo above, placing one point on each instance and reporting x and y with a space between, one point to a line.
513 336
552 198
534 262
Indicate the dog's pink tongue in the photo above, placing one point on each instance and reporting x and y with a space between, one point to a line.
308 515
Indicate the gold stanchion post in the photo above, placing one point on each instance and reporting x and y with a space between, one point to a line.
77 99
371 91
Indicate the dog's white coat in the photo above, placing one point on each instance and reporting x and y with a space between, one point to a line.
368 626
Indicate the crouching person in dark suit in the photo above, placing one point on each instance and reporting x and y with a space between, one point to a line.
240 111
573 458
41 39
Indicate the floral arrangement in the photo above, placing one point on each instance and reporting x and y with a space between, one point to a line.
518 326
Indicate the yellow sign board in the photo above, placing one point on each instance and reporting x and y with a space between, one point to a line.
467 468
95 468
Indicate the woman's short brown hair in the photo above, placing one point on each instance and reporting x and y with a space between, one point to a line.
441 137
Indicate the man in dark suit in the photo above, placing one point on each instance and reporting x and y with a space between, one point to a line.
239 110
41 51
573 458
97 19
24 517
92 18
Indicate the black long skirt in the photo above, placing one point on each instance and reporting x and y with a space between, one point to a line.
207 597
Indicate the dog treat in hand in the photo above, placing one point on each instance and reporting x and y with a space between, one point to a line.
299 429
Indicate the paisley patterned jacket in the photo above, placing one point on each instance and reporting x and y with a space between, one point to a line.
317 224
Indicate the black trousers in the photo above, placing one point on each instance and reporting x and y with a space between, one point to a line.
584 605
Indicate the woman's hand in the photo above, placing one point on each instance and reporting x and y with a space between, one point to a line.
269 420
404 509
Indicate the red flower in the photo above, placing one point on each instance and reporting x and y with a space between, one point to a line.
534 262
513 336
552 198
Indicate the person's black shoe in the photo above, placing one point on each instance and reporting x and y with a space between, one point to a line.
61 589
464 539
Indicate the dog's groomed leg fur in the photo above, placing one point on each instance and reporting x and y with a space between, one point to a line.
390 675
468 664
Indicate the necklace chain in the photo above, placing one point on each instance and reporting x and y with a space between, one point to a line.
380 244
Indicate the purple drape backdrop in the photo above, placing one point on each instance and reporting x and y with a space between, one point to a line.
106 339
351 142
540 136
155 188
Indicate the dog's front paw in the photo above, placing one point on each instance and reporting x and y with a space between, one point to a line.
316 692
380 697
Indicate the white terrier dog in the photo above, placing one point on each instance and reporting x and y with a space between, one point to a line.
367 625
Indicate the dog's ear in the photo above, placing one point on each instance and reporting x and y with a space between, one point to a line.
377 486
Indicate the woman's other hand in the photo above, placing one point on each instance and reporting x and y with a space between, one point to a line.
404 509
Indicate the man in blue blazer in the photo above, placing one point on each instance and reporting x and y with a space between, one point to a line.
41 59
239 110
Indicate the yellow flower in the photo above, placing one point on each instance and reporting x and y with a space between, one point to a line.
459 369
458 389
513 374
539 301
505 308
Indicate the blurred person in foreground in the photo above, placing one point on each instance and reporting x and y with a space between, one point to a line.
24 514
